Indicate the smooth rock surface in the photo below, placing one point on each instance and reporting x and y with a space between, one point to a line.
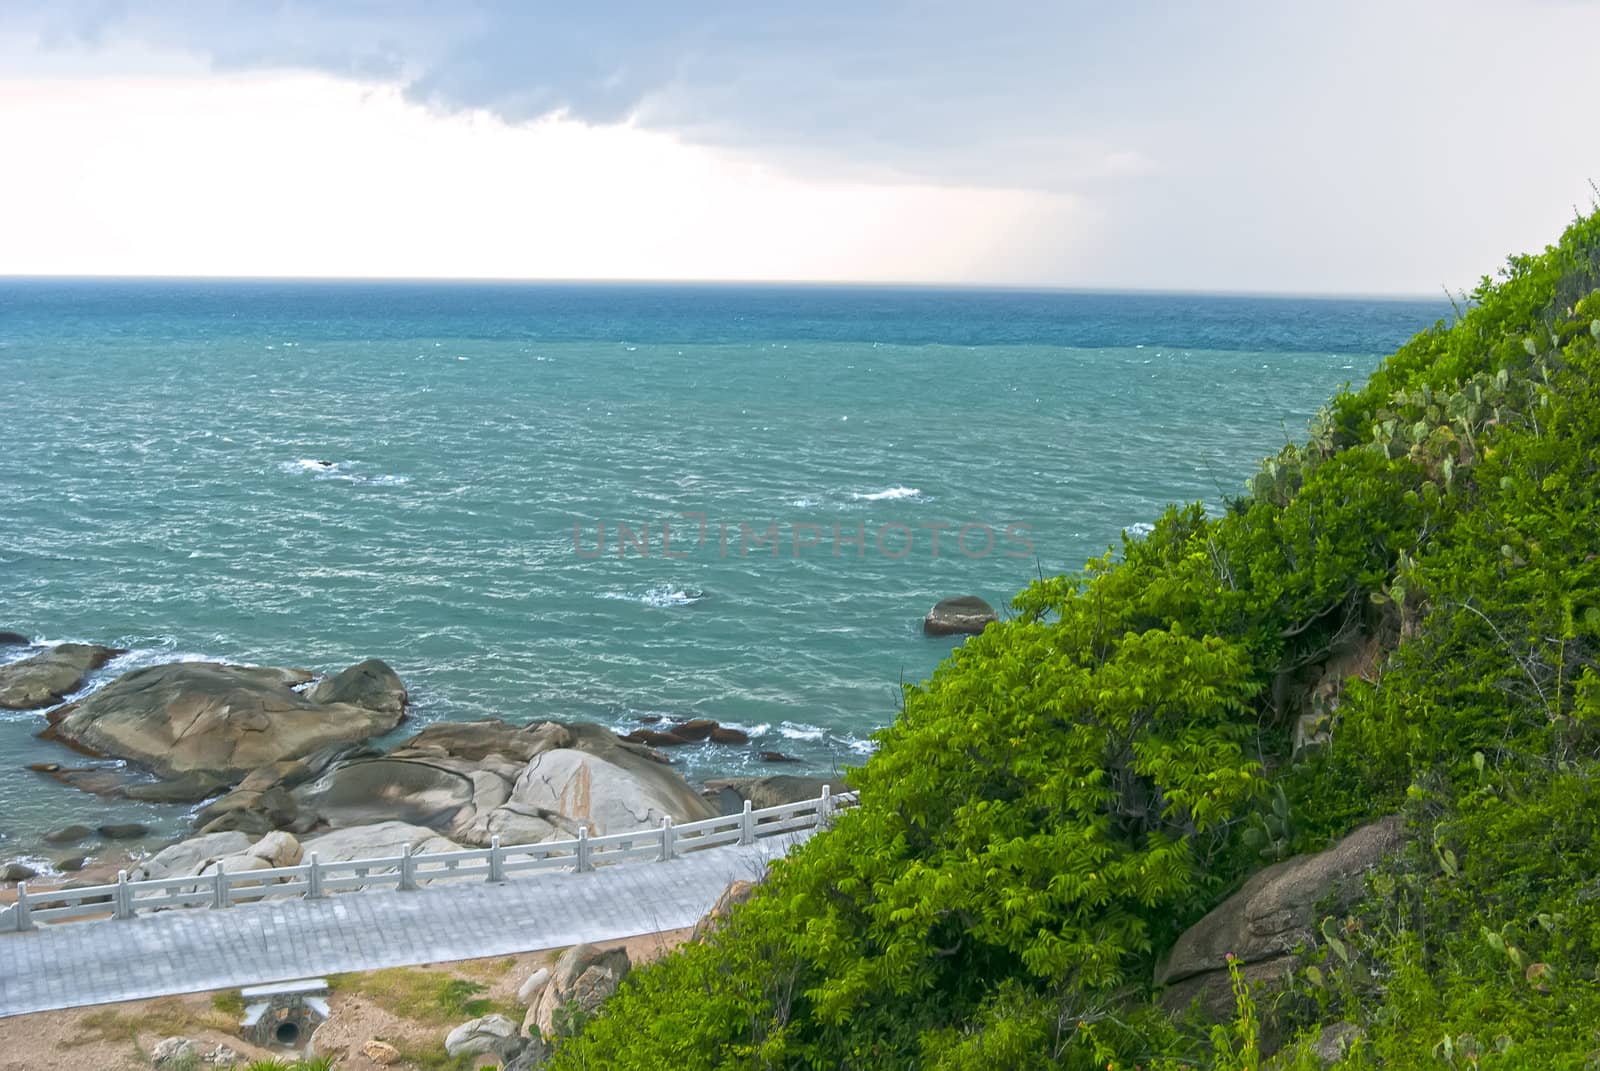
1276 909
490 1034
221 720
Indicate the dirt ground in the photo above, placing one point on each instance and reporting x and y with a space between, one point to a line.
401 1006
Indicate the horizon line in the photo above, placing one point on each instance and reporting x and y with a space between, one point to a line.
508 280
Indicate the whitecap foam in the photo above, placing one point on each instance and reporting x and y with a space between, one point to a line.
1140 529
310 464
801 731
892 494
804 502
660 596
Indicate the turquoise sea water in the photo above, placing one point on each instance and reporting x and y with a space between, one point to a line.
313 473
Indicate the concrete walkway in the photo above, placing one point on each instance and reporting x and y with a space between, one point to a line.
189 951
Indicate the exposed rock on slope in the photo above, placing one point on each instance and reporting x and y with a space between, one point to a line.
1262 923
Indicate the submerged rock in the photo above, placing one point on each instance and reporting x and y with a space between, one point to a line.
220 720
44 679
14 639
966 614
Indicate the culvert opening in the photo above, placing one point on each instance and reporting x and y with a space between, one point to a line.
287 1033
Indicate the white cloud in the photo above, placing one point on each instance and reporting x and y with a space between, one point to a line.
300 174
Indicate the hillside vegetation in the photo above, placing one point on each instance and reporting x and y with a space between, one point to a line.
1419 581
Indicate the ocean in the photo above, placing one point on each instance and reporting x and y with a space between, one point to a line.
606 501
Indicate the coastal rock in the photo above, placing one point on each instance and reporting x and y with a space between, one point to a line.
962 614
776 756
492 1034
583 977
67 834
236 852
381 839
14 639
17 872
1261 925
123 830
43 679
729 793
463 784
188 857
211 718
370 684
71 864
612 792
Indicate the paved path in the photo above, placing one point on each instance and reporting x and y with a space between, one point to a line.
189 951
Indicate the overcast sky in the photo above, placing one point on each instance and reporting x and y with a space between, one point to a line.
1385 147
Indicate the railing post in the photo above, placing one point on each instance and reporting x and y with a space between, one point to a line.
583 850
124 897
497 861
825 807
23 921
314 879
747 825
219 887
668 834
408 872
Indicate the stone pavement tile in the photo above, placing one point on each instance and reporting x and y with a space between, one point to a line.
195 949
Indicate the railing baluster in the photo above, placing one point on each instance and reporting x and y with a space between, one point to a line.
747 825
825 808
123 900
668 834
583 850
497 861
313 879
219 891
408 871
23 921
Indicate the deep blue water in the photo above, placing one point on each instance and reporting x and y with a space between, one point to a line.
161 486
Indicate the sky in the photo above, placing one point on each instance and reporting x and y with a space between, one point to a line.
1359 147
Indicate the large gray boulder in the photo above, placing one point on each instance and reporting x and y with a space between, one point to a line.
44 679
470 783
963 614
583 977
1276 911
380 840
205 717
235 851
491 1035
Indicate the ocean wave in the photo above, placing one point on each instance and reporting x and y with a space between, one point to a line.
336 470
893 494
801 731
660 596
1139 529
310 464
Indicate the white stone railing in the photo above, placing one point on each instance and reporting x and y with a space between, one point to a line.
313 879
